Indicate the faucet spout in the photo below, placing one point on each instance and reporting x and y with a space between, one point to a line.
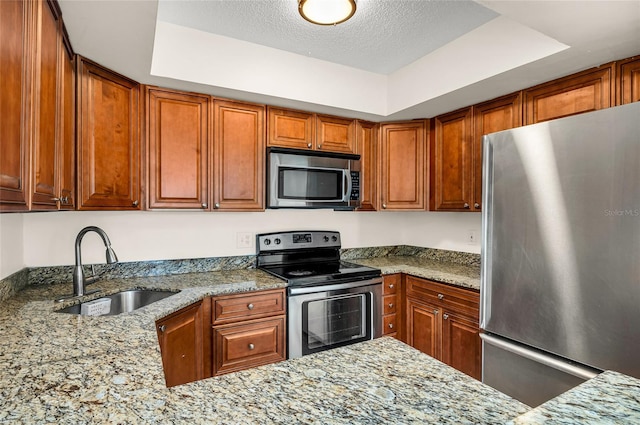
79 280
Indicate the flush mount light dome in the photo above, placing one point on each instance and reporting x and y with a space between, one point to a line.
326 12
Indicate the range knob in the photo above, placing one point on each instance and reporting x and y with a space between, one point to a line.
326 238
267 241
334 238
277 241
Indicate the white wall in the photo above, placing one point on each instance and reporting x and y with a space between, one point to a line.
11 244
48 238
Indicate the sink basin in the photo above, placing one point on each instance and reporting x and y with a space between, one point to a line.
126 301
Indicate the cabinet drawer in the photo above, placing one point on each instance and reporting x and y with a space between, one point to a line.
248 306
391 283
390 324
465 301
390 304
248 344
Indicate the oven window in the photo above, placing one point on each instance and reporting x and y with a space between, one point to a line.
310 183
334 322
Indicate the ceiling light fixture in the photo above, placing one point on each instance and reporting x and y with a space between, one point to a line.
326 12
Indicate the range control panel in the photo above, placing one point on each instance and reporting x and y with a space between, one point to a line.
297 240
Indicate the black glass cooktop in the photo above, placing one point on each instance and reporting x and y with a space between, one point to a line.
320 273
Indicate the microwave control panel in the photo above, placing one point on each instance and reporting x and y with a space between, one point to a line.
355 186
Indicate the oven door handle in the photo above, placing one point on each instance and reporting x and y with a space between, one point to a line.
299 290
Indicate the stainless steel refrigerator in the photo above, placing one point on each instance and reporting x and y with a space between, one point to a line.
560 291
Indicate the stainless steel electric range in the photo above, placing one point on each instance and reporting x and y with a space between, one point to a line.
330 303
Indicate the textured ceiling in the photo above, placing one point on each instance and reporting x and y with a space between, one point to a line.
400 31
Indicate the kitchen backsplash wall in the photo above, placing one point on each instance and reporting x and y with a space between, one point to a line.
47 239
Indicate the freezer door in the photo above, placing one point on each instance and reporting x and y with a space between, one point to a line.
561 237
528 375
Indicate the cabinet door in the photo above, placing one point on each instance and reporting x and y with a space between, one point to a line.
496 115
238 152
451 162
578 93
403 166
67 133
291 129
423 327
182 346
178 142
16 66
335 134
248 344
367 148
44 167
628 81
109 139
461 344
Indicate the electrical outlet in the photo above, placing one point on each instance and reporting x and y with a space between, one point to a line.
472 237
244 240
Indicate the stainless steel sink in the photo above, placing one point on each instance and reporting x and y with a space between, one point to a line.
126 301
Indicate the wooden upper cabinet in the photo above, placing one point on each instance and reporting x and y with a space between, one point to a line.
239 156
628 81
367 147
585 91
108 139
403 165
291 129
335 134
308 131
67 132
177 148
499 114
16 68
44 165
452 162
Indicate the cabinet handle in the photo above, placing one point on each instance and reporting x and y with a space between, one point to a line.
391 286
319 145
56 199
135 203
390 325
216 205
384 206
309 145
390 305
435 311
466 206
445 316
162 328
476 206
440 296
251 346
204 205
250 306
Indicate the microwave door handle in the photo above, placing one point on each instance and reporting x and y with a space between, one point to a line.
348 185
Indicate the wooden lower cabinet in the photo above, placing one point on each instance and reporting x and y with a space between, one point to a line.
443 322
392 311
182 345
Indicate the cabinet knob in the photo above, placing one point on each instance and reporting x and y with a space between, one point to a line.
440 296
162 328
476 206
390 325
216 205
251 346
250 306
65 199
445 316
391 286
56 199
204 205
466 206
135 203
319 145
390 305
309 145
435 311
384 206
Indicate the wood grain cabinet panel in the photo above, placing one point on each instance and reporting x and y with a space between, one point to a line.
239 156
585 91
452 161
177 148
461 344
628 81
392 310
423 327
231 308
367 147
181 337
335 134
16 67
403 165
495 115
67 133
108 139
291 129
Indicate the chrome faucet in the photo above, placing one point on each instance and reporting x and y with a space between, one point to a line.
79 280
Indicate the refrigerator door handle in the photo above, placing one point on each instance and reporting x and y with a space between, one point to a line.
579 371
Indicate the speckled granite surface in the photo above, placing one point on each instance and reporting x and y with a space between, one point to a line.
609 398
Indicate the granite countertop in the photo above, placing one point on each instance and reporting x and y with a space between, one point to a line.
463 275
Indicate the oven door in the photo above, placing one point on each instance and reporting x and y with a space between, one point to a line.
330 316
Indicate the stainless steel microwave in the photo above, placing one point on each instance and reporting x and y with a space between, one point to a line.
307 179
